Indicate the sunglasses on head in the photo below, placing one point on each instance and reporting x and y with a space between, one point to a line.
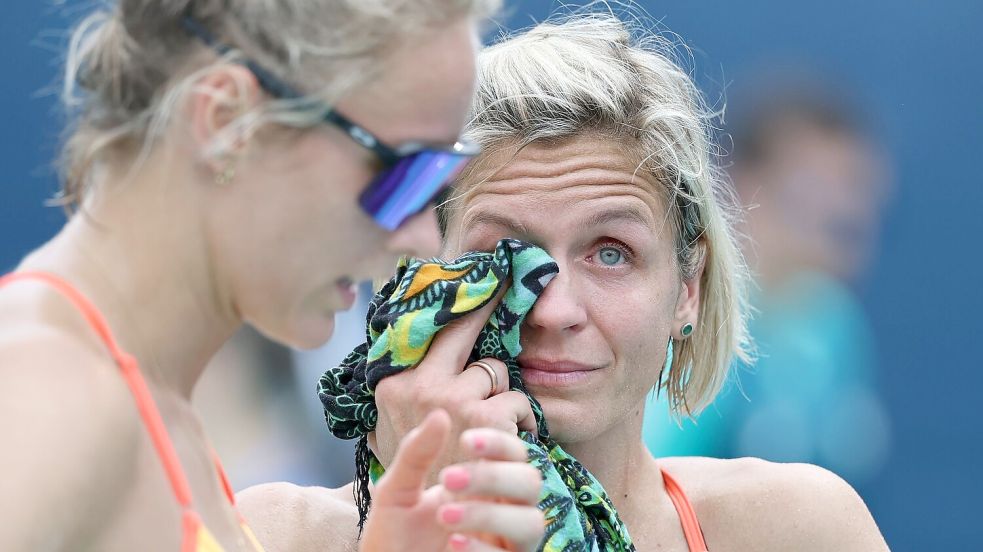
415 176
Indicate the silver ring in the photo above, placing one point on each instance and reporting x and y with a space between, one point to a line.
491 374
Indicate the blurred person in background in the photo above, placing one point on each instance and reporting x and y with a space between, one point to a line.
217 180
813 181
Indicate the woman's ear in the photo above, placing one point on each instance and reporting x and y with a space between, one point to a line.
217 100
688 303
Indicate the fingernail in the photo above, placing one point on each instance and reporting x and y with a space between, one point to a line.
479 443
451 514
459 542
456 479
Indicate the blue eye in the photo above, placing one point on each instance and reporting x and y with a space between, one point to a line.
610 256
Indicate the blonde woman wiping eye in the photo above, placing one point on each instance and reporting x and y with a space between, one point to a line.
596 146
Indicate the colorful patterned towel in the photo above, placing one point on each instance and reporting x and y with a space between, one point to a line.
403 318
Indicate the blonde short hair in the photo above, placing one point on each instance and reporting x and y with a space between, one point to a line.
588 74
131 60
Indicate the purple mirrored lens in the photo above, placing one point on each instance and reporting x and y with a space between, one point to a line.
410 185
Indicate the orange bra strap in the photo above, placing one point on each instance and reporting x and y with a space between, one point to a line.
223 478
88 310
687 516
131 372
192 525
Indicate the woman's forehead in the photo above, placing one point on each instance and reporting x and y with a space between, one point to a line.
581 173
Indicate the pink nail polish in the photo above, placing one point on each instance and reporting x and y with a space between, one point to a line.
452 514
479 443
456 479
459 542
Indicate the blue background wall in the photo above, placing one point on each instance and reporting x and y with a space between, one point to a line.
917 67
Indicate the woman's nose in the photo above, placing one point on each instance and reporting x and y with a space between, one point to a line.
559 307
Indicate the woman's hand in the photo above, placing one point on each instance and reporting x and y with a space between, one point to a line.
442 381
486 504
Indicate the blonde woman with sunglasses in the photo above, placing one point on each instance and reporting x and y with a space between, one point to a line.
228 163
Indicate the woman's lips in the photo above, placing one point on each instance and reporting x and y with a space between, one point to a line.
348 290
555 373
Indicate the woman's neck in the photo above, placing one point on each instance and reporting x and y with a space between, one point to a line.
140 255
628 472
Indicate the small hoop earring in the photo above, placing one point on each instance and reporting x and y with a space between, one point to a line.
686 330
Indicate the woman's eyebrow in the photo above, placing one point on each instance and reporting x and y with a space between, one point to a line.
621 214
502 221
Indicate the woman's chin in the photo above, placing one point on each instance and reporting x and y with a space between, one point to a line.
316 334
568 421
310 333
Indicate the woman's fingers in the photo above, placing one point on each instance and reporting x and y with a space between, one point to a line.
490 503
515 482
416 455
522 526
508 412
517 405
478 382
493 444
452 345
468 543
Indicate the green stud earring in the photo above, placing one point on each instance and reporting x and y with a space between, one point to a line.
686 330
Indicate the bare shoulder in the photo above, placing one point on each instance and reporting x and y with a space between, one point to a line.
752 504
57 374
299 519
69 430
55 368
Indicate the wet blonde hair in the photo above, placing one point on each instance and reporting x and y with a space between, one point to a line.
130 61
588 74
